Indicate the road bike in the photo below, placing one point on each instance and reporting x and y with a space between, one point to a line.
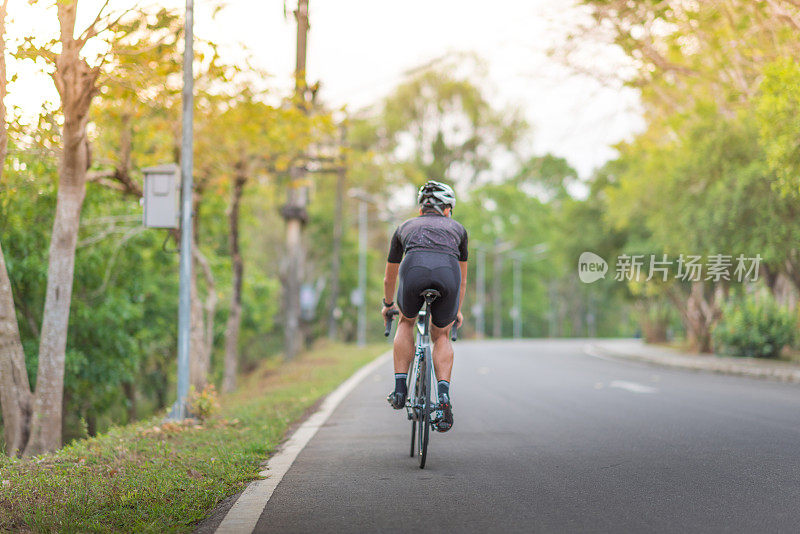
422 404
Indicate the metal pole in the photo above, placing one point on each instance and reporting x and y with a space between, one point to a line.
480 317
362 272
497 288
184 291
552 315
517 299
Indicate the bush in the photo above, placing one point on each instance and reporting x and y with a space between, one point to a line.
203 404
755 327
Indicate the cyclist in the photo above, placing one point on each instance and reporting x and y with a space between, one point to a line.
428 252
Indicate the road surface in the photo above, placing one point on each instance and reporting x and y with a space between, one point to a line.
550 439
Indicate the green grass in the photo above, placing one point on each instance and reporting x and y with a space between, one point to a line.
162 477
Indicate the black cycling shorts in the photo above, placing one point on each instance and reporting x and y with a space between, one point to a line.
424 269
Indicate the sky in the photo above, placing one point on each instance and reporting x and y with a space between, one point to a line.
360 49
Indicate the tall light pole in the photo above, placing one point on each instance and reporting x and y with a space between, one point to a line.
516 311
184 289
364 199
480 293
362 273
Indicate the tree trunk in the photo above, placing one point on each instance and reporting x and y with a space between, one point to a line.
233 326
76 84
295 214
15 392
698 315
198 374
129 388
46 425
15 389
336 253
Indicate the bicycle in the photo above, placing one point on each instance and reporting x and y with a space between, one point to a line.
421 411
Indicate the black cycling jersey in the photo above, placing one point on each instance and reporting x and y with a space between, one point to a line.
431 232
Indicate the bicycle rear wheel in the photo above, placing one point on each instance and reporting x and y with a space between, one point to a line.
413 435
425 410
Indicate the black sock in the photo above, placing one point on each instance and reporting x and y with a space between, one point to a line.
444 387
400 382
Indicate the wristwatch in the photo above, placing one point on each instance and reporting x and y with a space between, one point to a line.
387 304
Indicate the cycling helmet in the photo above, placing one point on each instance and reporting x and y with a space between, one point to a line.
437 196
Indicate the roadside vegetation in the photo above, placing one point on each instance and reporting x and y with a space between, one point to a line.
88 301
157 476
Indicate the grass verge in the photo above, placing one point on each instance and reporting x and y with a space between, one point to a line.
164 477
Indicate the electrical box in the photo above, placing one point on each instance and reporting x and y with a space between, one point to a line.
161 196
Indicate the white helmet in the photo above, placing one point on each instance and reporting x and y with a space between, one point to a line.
437 196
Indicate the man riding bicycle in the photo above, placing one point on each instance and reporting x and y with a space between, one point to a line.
428 252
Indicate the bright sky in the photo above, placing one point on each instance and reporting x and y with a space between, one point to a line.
359 49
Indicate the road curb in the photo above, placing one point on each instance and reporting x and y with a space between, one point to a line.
245 512
749 367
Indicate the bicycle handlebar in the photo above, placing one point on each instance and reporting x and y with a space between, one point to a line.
392 313
388 330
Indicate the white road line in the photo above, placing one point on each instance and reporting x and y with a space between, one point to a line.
590 350
632 387
243 516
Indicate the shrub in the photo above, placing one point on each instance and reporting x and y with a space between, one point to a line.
204 404
755 327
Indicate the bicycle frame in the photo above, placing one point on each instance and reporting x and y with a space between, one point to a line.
422 352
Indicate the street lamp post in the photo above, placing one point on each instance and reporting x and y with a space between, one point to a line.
362 273
517 310
363 198
184 291
480 308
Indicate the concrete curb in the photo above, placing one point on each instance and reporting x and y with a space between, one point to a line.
750 367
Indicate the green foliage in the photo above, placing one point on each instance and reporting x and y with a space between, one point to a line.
154 476
778 108
755 326
203 404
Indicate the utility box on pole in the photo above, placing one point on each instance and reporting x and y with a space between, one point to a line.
161 186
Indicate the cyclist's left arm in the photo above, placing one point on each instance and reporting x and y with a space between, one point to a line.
463 251
461 291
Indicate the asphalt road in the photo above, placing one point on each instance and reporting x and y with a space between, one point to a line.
549 439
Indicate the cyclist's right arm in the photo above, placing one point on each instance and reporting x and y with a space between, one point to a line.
392 268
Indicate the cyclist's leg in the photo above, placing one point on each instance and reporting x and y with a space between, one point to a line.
442 351
444 312
403 344
409 302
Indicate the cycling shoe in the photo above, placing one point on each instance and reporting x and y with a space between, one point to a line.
446 407
397 400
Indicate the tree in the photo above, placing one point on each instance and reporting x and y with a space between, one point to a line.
15 393
440 126
77 84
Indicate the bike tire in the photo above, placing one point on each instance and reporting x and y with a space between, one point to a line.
425 412
413 435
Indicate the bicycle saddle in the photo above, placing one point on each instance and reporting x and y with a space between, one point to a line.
430 295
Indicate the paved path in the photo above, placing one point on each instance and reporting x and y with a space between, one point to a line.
550 439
